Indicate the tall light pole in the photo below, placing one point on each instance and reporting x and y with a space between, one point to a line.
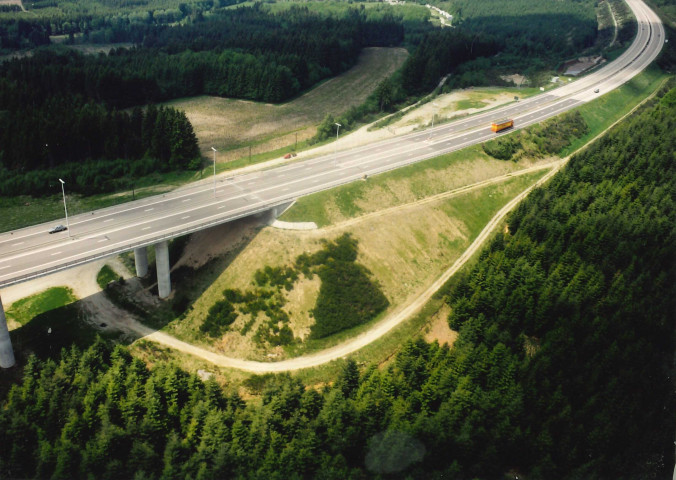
335 148
63 191
434 115
214 170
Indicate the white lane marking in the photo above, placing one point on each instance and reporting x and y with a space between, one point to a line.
187 216
186 200
16 244
149 209
146 228
102 240
109 220
2 268
55 253
222 207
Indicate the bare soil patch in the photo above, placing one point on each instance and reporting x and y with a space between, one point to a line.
438 329
208 244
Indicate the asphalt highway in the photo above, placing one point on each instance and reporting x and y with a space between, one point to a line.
31 252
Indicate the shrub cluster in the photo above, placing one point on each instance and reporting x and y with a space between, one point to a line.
221 315
276 277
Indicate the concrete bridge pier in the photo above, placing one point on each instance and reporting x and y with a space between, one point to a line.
141 261
6 352
162 263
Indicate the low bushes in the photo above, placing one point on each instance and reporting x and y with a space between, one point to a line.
548 138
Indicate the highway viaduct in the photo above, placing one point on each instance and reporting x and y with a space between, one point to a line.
31 252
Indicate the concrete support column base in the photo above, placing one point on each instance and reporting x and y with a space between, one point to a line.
141 261
6 353
162 263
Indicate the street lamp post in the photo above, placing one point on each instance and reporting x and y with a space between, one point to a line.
214 170
335 148
63 191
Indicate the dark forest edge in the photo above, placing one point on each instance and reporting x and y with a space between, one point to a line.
562 368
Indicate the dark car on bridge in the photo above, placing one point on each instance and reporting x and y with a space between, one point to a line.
58 228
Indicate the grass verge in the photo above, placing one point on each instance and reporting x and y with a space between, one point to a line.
24 310
105 276
606 110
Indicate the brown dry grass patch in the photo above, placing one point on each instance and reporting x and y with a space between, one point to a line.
232 125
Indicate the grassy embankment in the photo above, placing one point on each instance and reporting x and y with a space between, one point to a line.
405 249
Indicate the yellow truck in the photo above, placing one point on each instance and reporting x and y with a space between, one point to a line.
499 125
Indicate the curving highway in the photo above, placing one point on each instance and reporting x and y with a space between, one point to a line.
32 252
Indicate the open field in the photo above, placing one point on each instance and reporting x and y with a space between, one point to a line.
231 126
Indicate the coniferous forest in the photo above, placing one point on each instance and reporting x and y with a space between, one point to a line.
563 366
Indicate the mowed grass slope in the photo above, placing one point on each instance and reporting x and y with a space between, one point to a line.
231 125
406 249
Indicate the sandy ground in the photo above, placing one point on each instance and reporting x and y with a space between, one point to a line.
438 329
213 242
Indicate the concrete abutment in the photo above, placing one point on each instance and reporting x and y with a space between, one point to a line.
6 353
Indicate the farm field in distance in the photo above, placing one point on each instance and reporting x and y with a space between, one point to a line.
232 125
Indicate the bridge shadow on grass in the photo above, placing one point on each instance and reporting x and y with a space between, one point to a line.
140 296
77 324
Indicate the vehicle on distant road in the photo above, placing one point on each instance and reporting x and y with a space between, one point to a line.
499 125
596 90
289 155
58 228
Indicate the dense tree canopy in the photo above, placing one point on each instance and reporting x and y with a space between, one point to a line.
91 147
